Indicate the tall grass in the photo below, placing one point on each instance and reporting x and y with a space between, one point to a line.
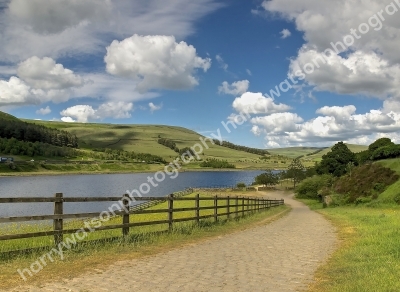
368 258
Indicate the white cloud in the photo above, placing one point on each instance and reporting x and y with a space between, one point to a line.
221 63
44 111
155 62
285 33
116 110
370 65
46 74
236 88
55 28
66 120
39 81
249 72
334 124
256 103
85 113
16 92
154 107
278 123
358 73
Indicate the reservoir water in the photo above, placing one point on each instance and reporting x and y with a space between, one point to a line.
103 185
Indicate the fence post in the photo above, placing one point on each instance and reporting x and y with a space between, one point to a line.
237 207
216 208
228 209
197 208
248 205
243 207
58 223
125 217
170 211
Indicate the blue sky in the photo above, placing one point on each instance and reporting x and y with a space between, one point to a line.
198 64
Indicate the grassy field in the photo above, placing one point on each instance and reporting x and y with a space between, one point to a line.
36 168
293 152
368 258
143 139
141 241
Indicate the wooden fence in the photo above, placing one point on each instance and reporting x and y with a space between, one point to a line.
238 206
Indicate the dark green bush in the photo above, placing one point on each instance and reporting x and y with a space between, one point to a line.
241 185
310 187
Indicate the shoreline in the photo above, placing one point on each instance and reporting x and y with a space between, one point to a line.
30 174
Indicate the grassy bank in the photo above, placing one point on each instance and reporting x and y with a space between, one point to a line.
368 258
142 241
37 168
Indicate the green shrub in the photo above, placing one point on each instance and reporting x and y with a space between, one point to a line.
241 185
311 187
216 163
368 180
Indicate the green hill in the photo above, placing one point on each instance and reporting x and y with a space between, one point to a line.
392 193
294 152
318 156
8 117
144 139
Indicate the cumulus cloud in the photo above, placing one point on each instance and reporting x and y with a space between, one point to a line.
357 73
46 74
278 123
285 33
370 64
67 120
333 124
44 111
156 62
256 103
154 107
39 81
236 88
16 92
85 113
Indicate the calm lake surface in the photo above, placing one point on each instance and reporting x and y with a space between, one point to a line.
103 185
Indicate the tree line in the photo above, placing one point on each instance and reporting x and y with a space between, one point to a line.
168 143
27 132
14 147
261 152
216 163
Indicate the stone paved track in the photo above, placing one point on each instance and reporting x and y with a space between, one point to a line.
280 256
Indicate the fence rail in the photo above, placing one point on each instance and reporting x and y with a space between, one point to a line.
238 206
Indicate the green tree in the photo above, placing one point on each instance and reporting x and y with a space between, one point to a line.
296 171
337 160
382 142
268 178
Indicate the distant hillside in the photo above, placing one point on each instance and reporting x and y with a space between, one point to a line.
294 152
144 139
353 147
